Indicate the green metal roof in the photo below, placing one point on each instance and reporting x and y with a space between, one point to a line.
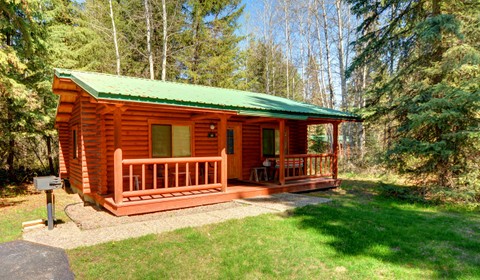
122 88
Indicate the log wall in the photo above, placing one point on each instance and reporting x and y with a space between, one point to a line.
93 170
75 170
64 135
251 150
298 143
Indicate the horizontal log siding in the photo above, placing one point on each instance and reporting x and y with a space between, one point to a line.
108 119
135 140
63 148
297 137
204 145
90 146
251 150
75 171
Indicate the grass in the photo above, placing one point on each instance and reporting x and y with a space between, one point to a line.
28 205
361 234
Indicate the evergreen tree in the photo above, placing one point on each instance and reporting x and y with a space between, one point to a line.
25 98
210 49
258 58
427 84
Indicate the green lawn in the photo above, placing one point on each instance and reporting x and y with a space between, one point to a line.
359 235
27 207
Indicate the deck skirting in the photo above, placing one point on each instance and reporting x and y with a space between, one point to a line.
149 204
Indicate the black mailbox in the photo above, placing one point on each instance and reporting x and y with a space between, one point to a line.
48 184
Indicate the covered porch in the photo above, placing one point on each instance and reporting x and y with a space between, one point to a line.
143 185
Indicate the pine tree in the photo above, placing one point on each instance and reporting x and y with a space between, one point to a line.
25 96
211 45
427 85
256 71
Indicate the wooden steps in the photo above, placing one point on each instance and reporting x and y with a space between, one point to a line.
148 204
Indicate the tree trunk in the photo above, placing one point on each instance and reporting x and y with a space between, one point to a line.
165 42
49 155
115 42
149 46
343 81
196 48
319 68
327 52
362 105
10 156
287 45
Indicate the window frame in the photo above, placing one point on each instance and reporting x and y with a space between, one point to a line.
171 123
275 127
75 149
233 142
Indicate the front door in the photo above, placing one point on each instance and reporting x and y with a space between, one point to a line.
234 150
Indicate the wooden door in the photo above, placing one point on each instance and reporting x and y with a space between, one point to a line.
234 150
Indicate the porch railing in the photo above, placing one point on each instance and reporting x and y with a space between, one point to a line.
308 166
157 176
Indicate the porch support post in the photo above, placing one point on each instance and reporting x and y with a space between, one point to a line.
222 149
281 176
117 157
335 150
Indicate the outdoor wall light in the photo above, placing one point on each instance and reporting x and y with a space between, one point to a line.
212 134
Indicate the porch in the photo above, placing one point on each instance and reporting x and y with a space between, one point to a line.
235 190
158 184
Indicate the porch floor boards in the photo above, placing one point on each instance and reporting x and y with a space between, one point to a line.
235 190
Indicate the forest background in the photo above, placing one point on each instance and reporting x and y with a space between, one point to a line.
409 67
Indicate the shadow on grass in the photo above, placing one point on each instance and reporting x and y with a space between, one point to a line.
396 231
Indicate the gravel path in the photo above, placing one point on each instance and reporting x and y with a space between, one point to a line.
92 226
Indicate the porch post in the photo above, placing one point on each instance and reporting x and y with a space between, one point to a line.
335 150
222 149
117 157
281 176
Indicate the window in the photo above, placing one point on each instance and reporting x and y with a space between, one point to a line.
230 142
170 140
74 143
271 142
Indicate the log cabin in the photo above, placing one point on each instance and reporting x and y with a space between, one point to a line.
136 146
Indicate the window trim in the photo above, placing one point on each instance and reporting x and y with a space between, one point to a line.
74 134
191 124
274 127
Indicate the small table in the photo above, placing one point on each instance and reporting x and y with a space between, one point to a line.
254 173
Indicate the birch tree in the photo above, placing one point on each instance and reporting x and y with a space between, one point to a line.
115 42
165 40
327 53
286 15
149 45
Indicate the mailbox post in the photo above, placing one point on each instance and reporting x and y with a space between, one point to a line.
48 184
